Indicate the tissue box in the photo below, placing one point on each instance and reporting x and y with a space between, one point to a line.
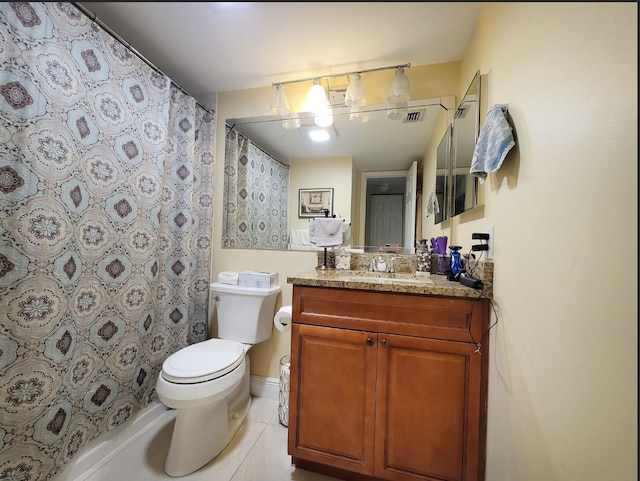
257 279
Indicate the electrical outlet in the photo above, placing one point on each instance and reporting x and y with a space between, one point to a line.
489 252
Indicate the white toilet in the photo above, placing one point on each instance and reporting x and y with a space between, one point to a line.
208 382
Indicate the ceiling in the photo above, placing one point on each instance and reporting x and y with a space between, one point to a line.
210 47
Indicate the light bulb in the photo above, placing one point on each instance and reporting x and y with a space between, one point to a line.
316 98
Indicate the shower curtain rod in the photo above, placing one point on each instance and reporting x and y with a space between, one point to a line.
231 129
93 17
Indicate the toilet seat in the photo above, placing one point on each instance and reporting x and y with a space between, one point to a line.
203 361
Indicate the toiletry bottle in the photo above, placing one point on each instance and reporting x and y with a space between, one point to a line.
456 265
424 256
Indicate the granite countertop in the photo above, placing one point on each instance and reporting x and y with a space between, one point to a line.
402 282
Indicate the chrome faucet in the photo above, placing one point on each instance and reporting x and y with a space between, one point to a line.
381 264
378 265
391 269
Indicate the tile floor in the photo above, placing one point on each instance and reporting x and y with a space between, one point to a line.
258 452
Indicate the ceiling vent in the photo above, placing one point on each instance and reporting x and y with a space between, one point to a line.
413 116
461 113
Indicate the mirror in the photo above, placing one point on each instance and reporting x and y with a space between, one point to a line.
378 146
466 128
443 165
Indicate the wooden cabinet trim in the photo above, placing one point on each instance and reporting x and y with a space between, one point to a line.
413 315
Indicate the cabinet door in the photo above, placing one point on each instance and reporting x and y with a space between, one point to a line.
427 409
332 396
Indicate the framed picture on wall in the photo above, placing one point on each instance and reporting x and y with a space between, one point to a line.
314 202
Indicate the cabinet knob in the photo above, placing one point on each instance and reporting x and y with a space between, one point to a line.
369 341
385 343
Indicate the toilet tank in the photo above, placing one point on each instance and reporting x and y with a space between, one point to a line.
245 314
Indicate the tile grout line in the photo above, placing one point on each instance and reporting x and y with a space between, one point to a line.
244 458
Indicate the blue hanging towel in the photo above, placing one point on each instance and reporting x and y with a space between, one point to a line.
494 143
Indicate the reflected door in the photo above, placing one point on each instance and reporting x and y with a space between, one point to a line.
385 223
410 208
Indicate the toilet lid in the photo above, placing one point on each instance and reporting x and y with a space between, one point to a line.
203 361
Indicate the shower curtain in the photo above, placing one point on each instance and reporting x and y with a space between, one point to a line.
105 233
256 196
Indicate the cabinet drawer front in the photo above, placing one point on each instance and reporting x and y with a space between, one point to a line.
332 396
415 315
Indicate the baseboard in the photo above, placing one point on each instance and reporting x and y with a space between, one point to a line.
267 387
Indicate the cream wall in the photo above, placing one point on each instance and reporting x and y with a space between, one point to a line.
563 357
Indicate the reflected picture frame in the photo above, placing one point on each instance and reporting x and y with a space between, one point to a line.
315 202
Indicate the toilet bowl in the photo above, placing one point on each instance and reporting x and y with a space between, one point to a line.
208 382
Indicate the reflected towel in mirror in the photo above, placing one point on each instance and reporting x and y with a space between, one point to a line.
325 231
432 207
494 143
300 237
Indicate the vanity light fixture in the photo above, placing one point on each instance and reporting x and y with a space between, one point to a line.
279 103
318 104
355 93
400 88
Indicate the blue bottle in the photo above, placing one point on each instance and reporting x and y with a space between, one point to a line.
456 265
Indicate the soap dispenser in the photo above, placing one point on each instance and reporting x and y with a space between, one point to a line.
456 263
424 257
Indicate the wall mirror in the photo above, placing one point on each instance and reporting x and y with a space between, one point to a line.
377 146
466 128
443 170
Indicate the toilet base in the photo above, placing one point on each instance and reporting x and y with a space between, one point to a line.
200 434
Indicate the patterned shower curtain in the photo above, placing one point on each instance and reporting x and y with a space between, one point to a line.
105 233
256 197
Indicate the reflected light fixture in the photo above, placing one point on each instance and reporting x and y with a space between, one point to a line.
292 123
400 89
397 110
357 115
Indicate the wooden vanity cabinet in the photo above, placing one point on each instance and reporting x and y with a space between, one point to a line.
388 386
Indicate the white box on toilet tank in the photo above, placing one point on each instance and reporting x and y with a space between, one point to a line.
257 279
